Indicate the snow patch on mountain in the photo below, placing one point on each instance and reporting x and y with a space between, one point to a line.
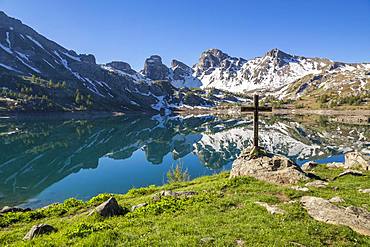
28 65
7 49
72 57
9 68
8 40
35 41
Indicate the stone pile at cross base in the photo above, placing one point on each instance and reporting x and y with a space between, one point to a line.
267 167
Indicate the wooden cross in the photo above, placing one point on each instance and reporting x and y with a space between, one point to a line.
255 108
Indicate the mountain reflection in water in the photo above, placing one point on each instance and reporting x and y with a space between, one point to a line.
38 155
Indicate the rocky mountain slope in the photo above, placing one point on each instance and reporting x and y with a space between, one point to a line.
278 73
37 74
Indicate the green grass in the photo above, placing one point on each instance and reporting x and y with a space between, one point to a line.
224 211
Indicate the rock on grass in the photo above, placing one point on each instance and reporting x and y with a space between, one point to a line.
349 172
309 166
322 210
364 191
39 230
109 208
356 160
268 167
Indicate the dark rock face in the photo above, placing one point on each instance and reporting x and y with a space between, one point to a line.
180 70
109 208
88 58
211 58
24 52
122 66
39 230
154 68
7 209
279 58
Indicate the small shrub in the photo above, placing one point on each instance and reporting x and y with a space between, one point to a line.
178 174
142 191
72 202
11 218
84 229
166 204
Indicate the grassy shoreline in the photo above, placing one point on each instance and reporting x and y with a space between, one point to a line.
223 213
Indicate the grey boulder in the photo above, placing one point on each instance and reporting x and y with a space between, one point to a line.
356 160
39 229
109 208
309 166
268 167
358 219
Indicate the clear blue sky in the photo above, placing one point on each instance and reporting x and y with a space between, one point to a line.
131 30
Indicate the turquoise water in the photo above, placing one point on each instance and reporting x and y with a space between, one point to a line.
43 161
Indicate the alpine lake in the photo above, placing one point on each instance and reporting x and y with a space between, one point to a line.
44 160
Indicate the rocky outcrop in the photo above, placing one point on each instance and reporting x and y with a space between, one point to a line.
37 230
182 76
322 210
109 208
356 160
364 191
121 66
309 166
154 68
349 172
8 209
211 59
268 167
88 58
180 70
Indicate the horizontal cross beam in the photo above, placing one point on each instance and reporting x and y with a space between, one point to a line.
253 108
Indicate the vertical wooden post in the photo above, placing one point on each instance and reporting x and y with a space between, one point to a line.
255 122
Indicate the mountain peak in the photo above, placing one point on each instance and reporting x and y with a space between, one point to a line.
176 63
276 53
215 53
211 58
154 68
6 20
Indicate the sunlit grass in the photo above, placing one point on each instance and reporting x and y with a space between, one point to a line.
222 212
